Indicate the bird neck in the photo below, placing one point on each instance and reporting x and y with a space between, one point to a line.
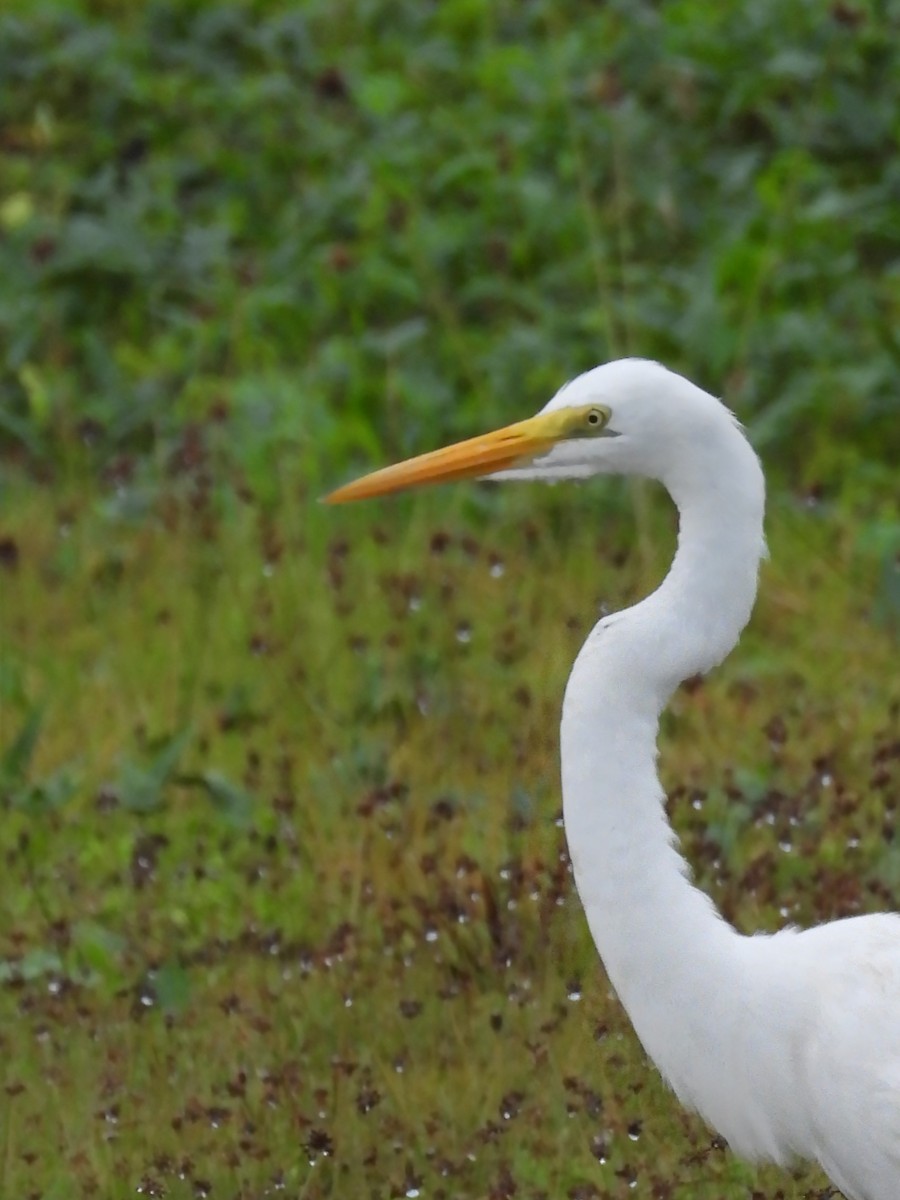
665 948
698 612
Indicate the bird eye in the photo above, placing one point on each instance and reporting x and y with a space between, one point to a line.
588 420
596 418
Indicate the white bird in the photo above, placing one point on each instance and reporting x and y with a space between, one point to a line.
787 1044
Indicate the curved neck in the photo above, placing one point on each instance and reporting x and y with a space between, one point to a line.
706 599
664 946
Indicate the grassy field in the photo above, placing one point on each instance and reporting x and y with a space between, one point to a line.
286 899
286 906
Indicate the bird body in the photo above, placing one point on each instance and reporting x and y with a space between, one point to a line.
788 1044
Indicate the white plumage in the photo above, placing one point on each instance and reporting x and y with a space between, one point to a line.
787 1044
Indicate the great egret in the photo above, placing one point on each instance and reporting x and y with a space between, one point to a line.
787 1044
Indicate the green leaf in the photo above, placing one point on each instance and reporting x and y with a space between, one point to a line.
100 947
100 951
33 965
172 985
140 786
35 386
17 757
229 799
381 93
47 795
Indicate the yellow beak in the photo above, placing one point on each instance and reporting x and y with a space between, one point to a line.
513 446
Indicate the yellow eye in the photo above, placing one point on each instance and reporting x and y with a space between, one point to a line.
595 419
588 420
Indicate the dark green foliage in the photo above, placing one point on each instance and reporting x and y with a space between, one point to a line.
367 227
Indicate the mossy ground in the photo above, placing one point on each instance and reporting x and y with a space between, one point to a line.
286 902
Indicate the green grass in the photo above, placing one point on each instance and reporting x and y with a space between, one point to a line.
326 938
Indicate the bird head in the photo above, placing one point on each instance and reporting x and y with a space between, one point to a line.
625 418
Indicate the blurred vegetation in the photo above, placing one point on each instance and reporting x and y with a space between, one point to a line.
359 228
286 906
